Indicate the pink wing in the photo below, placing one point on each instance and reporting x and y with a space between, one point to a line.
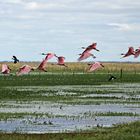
5 69
61 60
84 55
137 53
91 47
25 69
130 52
95 66
49 56
42 64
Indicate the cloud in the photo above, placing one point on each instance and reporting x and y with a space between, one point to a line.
41 6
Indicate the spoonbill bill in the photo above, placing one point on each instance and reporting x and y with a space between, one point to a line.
5 69
95 66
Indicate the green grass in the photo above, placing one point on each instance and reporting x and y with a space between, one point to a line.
65 79
129 131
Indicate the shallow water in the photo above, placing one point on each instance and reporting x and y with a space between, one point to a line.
53 125
72 115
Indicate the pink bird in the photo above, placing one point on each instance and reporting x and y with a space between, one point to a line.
90 47
42 65
137 52
5 69
25 69
95 66
48 55
130 52
85 55
61 60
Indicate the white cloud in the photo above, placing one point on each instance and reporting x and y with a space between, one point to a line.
40 6
121 26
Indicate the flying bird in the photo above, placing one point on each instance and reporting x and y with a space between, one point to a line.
48 55
95 66
5 69
137 53
15 59
85 55
129 52
25 69
42 65
90 47
61 60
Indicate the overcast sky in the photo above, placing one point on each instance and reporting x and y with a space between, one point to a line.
29 27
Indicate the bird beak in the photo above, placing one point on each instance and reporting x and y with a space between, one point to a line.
97 50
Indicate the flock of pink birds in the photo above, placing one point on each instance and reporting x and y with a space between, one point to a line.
25 69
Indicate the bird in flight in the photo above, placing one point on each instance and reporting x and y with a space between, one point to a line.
15 59
61 60
90 47
129 52
85 55
95 66
25 69
48 55
42 65
5 69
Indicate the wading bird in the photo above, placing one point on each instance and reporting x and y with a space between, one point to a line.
42 65
25 69
15 59
95 66
129 52
5 69
111 78
48 55
90 47
85 55
137 53
61 60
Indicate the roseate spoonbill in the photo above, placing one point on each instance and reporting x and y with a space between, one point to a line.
49 55
111 78
61 60
85 55
25 69
5 69
95 66
15 59
90 47
137 52
129 52
42 65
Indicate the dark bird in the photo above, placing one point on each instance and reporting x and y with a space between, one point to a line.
15 59
111 78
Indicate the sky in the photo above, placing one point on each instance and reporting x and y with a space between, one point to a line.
30 27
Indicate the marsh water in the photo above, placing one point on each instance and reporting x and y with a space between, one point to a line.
69 108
